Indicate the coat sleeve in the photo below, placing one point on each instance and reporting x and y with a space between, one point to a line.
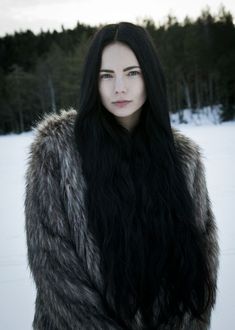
205 216
66 297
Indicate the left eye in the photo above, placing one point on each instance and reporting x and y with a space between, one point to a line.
133 73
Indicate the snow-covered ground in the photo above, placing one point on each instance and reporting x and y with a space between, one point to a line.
17 292
218 145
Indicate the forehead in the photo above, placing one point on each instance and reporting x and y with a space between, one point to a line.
118 54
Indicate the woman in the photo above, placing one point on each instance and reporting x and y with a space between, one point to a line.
120 231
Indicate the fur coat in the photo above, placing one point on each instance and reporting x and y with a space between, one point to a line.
62 254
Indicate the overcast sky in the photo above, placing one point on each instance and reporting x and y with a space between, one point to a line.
36 15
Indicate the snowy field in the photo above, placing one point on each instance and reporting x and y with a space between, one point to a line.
17 292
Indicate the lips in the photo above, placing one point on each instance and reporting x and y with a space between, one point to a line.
121 103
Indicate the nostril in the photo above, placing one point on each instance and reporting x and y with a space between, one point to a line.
120 88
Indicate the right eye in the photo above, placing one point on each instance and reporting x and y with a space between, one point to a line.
105 76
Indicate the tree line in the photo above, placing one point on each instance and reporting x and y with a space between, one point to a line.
41 73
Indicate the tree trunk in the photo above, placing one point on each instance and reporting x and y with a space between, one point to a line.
52 93
197 90
21 120
180 111
211 93
187 94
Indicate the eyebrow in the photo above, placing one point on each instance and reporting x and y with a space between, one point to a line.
126 69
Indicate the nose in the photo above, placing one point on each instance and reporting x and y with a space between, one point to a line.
120 86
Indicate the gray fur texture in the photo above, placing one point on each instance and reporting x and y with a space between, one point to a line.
62 255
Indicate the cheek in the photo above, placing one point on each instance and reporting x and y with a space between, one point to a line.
104 91
144 93
140 90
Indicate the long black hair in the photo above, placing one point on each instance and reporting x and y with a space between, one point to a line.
138 204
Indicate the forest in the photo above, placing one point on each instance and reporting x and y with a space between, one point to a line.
41 73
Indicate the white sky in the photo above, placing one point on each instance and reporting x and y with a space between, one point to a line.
16 15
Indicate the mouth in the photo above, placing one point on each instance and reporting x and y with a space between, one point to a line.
121 103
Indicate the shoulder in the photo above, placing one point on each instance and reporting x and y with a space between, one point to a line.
53 143
55 125
191 157
187 148
54 131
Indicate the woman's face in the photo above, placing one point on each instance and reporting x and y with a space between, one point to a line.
121 84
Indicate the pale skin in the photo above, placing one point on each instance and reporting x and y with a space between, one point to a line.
120 79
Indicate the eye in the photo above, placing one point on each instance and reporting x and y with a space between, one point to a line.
105 76
133 73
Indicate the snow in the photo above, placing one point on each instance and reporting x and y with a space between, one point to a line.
17 291
16 286
203 116
217 143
